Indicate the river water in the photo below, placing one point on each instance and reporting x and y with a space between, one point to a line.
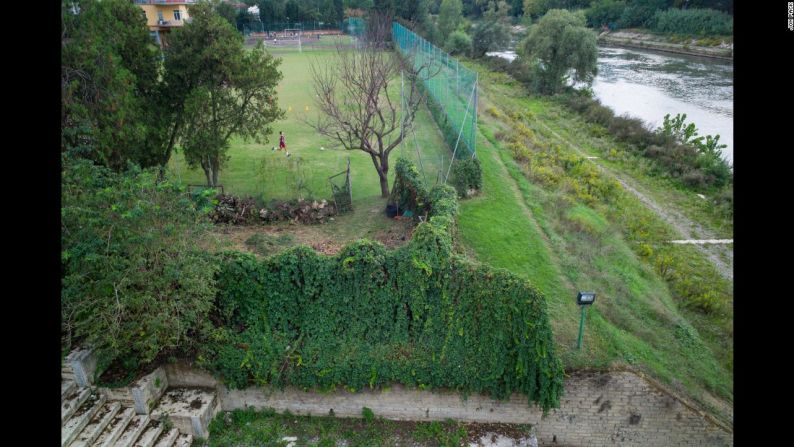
648 85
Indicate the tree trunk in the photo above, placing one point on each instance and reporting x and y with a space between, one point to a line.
205 165
384 184
383 173
215 175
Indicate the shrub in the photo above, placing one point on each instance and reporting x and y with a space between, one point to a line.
724 201
675 148
134 281
458 43
466 176
604 12
519 151
640 13
700 22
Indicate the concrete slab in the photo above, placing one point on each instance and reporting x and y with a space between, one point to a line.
83 363
72 404
167 439
72 428
115 428
68 387
134 430
97 425
189 409
146 391
184 440
150 435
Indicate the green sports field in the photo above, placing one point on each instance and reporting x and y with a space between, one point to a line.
254 169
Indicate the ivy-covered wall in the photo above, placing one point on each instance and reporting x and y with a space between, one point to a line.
419 315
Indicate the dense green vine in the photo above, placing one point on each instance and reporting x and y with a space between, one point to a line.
419 315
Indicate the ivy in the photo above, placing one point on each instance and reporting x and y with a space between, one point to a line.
419 315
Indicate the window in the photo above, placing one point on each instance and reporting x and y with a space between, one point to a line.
160 16
177 15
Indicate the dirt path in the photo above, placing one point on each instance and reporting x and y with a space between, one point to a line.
719 255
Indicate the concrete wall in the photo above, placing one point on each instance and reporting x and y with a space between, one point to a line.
598 408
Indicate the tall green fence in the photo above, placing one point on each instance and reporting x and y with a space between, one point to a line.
451 88
354 26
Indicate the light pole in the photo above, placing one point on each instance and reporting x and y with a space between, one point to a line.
583 299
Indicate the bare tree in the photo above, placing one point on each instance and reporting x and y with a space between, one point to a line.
360 110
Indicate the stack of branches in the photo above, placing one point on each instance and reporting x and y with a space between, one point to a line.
234 210
299 211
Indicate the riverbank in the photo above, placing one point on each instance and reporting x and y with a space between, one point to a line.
647 41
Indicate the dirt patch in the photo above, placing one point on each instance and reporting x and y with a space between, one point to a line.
319 237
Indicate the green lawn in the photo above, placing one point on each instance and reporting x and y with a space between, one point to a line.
253 169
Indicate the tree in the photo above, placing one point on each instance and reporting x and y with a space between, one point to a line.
357 109
224 90
109 74
458 43
227 11
557 44
339 11
271 11
493 33
450 17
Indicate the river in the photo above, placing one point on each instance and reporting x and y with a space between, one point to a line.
648 85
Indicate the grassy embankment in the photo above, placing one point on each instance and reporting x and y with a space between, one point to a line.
612 247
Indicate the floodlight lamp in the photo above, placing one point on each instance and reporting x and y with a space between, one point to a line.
585 298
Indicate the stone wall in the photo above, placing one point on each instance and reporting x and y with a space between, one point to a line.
598 408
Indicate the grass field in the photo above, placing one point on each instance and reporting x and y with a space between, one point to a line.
254 169
269 428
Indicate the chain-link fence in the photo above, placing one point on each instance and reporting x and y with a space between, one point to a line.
451 89
354 26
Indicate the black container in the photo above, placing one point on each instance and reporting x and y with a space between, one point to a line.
391 210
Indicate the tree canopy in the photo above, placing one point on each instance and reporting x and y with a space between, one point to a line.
109 72
558 44
493 33
225 90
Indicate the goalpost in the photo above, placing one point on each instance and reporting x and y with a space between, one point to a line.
294 32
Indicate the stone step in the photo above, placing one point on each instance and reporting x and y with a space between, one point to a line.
115 428
150 435
68 387
134 430
72 428
167 439
97 424
189 409
184 440
71 405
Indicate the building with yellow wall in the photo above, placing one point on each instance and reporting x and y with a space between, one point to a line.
164 15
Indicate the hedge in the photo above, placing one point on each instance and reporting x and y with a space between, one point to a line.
419 315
